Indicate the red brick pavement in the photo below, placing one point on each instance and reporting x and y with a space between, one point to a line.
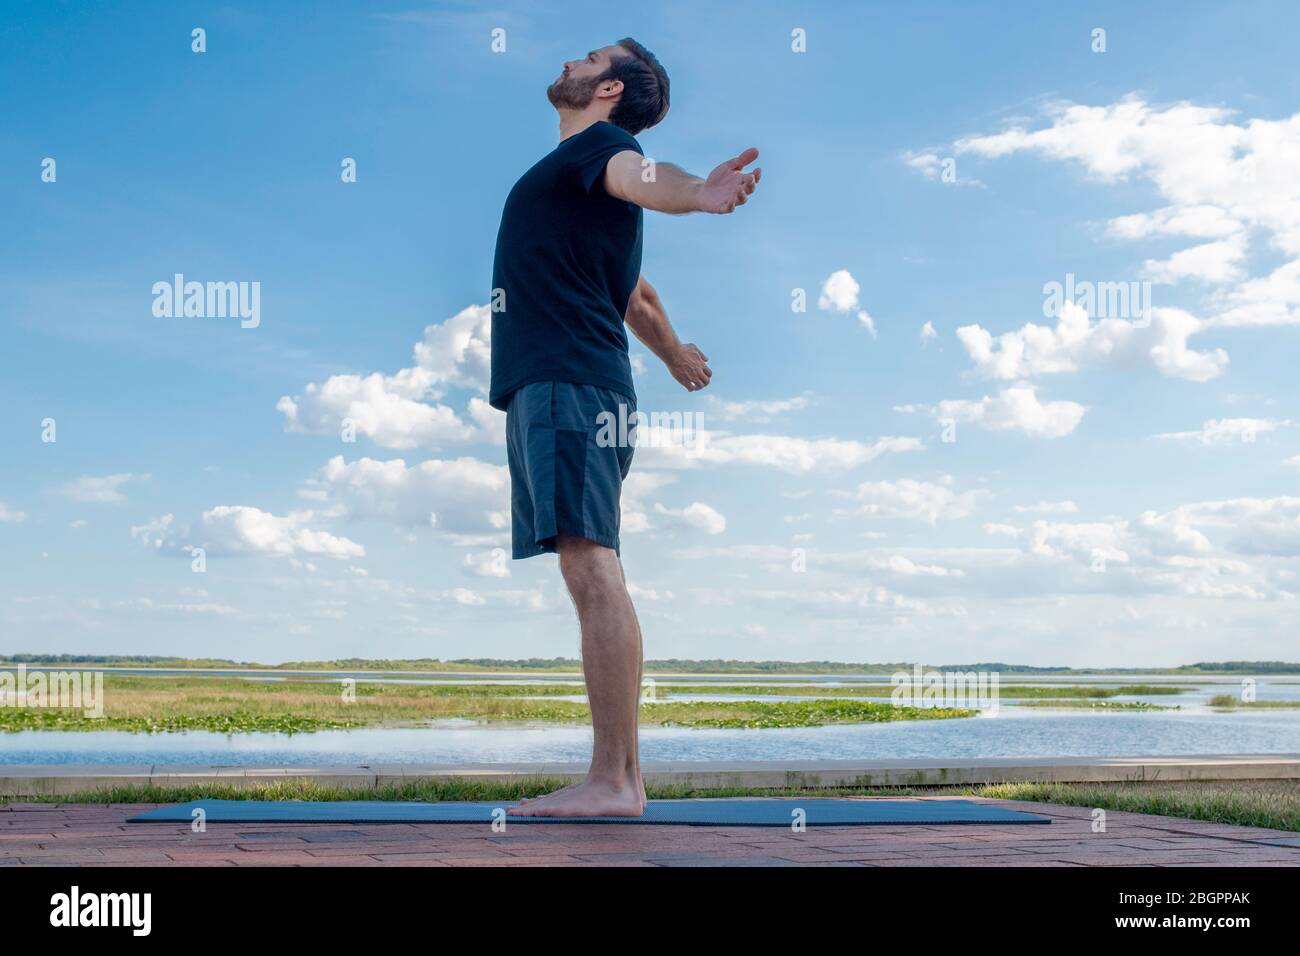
98 835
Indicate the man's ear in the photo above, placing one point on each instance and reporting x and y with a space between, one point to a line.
610 88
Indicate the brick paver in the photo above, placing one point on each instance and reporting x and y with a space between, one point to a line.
98 835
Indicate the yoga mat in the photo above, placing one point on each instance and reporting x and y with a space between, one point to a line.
820 812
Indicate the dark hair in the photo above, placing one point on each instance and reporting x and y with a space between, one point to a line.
644 100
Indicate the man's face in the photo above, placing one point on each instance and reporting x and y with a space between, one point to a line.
576 86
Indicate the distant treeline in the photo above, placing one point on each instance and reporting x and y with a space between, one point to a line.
121 659
670 665
1240 667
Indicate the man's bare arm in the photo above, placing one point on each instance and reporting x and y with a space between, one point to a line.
664 187
649 323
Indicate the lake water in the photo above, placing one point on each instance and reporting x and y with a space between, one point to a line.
1012 732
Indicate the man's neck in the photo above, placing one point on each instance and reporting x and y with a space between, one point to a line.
571 124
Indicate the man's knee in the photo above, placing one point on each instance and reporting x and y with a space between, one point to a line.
591 571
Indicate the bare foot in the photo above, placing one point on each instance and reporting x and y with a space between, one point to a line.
553 793
640 786
587 799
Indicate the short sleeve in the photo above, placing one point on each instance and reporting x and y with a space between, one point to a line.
598 144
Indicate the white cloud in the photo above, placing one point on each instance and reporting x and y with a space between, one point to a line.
1255 526
931 166
927 164
532 600
785 453
1049 507
488 564
400 410
462 495
156 533
238 529
840 294
1199 222
1223 181
1015 408
1214 262
922 500
103 490
637 486
1077 342
655 595
1226 431
243 530
755 410
696 515
1083 540
8 515
928 334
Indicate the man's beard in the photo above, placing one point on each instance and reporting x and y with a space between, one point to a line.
569 93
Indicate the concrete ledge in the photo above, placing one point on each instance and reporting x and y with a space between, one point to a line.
66 779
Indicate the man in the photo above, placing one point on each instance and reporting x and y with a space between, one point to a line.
565 279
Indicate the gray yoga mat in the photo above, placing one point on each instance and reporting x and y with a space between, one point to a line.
820 812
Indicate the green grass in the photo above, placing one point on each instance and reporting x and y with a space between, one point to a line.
1096 705
1231 702
233 705
811 713
887 690
668 666
1273 804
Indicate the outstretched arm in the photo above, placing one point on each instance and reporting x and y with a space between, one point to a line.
672 189
649 323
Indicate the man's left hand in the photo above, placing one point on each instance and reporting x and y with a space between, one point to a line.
690 367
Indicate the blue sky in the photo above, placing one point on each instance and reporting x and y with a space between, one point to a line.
1119 492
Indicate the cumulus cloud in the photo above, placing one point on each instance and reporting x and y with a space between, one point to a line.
921 500
1252 526
239 529
488 564
401 410
1016 408
1077 342
462 496
696 515
1214 262
242 530
840 294
1222 180
9 515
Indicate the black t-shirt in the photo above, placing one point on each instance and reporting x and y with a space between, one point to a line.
567 259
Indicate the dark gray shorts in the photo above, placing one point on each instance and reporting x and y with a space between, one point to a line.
563 480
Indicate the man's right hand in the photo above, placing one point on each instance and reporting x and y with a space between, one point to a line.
729 185
690 366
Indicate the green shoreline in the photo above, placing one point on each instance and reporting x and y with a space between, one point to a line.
669 667
144 704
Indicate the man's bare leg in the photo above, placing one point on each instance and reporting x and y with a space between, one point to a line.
640 677
611 662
